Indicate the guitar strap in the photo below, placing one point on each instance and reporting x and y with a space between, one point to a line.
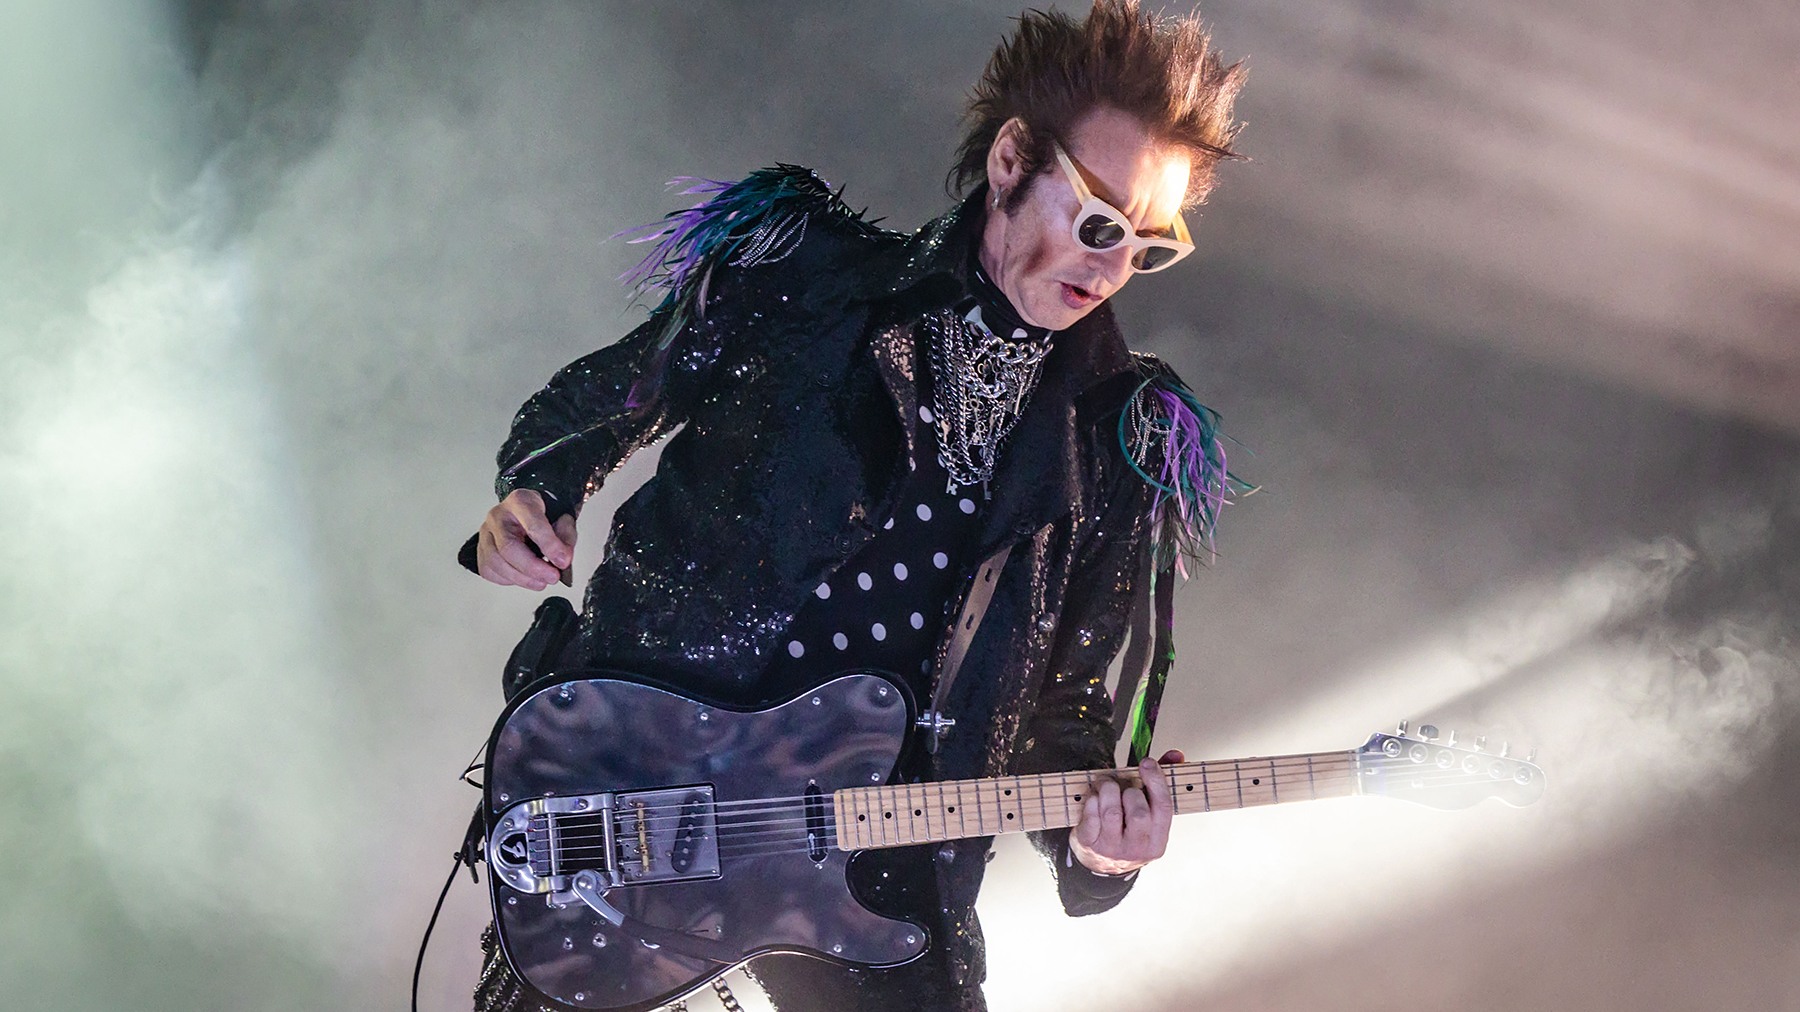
986 577
1147 703
1137 649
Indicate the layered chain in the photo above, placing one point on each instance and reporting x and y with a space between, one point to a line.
981 381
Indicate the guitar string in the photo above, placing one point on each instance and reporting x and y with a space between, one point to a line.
1180 768
790 842
1184 769
569 830
569 836
739 841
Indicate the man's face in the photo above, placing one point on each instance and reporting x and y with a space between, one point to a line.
1051 279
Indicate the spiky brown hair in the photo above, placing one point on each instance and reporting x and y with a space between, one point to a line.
1054 70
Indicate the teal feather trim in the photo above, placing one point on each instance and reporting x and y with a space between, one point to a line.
1172 441
759 219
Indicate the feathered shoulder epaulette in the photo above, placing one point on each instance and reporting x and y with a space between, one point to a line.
1172 441
759 219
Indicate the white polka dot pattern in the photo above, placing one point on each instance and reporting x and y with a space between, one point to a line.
923 511
900 571
966 505
840 641
824 591
918 622
940 560
795 649
878 631
863 581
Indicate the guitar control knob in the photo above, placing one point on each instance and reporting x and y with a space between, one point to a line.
1428 732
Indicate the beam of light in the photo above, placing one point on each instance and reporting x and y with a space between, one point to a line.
1629 725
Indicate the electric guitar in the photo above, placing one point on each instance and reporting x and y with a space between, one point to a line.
643 843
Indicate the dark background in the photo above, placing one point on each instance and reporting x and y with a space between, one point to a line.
1506 304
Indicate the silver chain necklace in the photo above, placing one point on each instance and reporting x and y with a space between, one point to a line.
980 382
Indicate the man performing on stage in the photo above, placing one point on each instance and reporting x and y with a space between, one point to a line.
865 421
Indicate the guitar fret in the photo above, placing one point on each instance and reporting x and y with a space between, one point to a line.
899 814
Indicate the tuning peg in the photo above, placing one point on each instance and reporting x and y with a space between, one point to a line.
1428 732
1480 742
1402 731
1452 741
1506 750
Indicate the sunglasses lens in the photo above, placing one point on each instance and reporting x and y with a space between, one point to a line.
1151 258
1100 232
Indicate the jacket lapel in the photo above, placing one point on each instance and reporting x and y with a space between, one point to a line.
1038 478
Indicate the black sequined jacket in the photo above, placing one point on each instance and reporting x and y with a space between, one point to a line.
785 389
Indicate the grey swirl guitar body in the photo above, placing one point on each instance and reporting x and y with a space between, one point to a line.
642 842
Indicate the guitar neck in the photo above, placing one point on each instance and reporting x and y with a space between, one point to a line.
901 814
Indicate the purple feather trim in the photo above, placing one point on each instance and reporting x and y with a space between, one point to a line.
1177 437
667 265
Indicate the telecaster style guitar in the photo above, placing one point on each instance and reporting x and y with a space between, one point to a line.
643 843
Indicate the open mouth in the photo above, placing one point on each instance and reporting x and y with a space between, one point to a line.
1077 297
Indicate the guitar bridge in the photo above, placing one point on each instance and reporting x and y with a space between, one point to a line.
609 840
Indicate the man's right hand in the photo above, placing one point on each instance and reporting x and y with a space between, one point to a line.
503 551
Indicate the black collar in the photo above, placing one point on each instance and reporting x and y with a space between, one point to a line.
930 269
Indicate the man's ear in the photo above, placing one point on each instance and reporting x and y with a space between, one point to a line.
1006 157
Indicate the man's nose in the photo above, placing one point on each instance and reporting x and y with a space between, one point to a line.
1114 265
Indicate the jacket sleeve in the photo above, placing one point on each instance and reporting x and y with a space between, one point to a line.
603 407
593 414
1071 726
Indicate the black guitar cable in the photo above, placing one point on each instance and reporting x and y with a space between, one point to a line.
468 854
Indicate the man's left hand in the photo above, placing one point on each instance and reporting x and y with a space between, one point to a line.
1123 829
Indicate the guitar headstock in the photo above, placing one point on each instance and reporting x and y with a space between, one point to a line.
1444 775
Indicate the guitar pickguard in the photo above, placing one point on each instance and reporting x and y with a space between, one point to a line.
710 850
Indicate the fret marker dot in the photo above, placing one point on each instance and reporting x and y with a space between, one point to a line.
878 631
966 505
823 592
940 560
917 620
924 512
899 570
863 581
795 649
840 641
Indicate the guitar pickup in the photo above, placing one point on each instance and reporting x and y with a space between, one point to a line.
666 835
626 838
